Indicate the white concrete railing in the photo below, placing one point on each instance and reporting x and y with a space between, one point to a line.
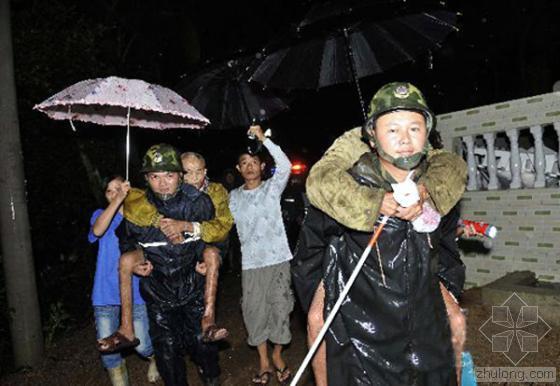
528 221
508 166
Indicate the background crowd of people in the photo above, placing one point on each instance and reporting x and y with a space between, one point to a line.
400 324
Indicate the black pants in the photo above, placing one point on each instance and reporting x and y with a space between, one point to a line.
175 332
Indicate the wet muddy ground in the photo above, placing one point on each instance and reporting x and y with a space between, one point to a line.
73 360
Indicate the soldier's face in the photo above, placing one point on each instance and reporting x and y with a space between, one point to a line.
194 171
401 133
163 183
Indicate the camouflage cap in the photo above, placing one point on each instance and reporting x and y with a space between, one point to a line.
161 158
392 97
400 96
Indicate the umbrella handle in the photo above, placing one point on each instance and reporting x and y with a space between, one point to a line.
127 140
339 301
70 118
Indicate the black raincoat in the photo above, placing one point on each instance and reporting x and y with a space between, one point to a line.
174 292
393 334
451 270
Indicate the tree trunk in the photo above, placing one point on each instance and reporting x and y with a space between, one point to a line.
21 289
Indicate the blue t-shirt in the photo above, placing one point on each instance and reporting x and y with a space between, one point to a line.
106 282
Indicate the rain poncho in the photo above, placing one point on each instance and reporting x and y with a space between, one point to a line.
174 292
451 270
174 280
393 334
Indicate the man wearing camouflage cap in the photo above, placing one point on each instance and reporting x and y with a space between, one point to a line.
352 185
174 292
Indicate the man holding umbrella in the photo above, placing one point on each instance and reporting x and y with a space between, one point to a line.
174 292
267 299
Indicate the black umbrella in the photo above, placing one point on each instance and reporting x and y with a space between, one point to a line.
324 14
350 52
221 92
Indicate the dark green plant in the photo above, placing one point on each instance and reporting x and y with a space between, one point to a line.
58 321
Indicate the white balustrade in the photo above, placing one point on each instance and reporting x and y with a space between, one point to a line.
537 132
491 161
515 165
471 163
491 168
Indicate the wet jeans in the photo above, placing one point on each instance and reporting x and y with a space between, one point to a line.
107 321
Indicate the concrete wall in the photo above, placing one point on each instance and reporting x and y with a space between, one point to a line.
528 238
528 220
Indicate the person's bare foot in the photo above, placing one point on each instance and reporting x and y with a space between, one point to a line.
283 373
211 332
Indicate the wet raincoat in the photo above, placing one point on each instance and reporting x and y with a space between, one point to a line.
174 292
451 269
393 334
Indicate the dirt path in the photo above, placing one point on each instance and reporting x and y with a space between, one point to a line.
74 359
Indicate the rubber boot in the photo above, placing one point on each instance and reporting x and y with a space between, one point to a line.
153 373
119 375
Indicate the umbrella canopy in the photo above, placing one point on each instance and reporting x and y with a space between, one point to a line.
123 102
351 52
109 101
222 93
337 12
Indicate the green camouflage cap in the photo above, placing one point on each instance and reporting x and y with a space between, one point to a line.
161 158
400 96
392 97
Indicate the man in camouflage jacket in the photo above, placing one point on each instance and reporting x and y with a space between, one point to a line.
334 191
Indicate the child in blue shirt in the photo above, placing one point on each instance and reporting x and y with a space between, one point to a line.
105 294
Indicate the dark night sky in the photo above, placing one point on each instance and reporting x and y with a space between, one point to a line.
505 49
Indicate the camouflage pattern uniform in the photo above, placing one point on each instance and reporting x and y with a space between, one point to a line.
357 206
139 211
392 327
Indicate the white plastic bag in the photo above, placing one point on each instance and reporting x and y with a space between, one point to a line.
406 194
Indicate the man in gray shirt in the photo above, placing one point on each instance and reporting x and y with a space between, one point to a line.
267 297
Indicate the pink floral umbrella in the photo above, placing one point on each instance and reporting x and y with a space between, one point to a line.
117 101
